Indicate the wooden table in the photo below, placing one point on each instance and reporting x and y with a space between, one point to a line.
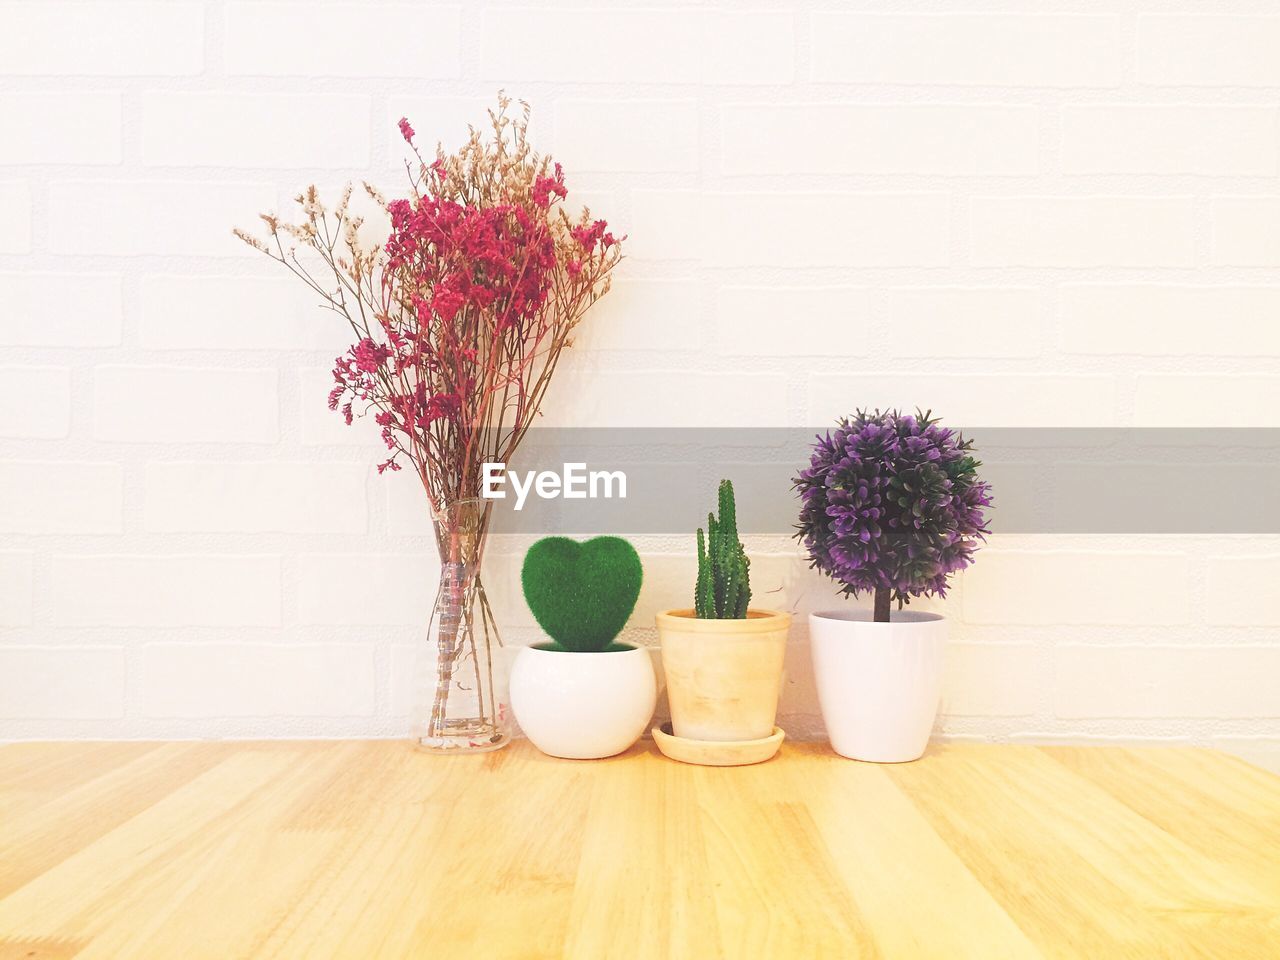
370 849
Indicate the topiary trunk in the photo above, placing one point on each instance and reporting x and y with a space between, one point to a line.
881 614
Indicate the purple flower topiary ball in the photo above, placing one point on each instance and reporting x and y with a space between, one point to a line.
892 502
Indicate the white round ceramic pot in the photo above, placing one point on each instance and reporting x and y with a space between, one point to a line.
583 706
878 683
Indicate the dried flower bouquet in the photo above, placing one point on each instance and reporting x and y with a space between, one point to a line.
460 317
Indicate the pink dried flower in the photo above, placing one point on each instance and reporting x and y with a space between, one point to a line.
369 355
588 235
544 187
461 314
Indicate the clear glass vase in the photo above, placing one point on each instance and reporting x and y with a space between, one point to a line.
457 703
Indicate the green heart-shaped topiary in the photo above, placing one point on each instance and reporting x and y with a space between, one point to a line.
582 594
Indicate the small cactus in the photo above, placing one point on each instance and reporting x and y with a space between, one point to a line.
723 589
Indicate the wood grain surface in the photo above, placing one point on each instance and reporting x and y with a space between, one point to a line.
371 849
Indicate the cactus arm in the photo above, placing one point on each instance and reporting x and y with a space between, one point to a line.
731 588
700 586
728 512
744 597
715 535
736 605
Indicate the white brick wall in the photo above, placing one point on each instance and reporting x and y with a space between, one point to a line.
363 590
149 404
748 316
991 680
61 496
671 308
1061 588
60 128
1245 231
608 398
124 218
940 320
815 229
968 49
1025 214
1241 590
1153 319
15 216
61 683
262 497
230 312
1206 400
1235 682
16 588
992 400
211 129
1181 138
103 39
1083 231
157 590
219 680
1208 51
641 45
646 136
87 311
343 40
942 139
38 402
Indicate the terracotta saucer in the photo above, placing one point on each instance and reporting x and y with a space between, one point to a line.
716 753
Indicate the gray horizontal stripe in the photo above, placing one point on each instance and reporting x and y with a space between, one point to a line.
1057 480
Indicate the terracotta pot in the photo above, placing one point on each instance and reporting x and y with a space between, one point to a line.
723 676
878 683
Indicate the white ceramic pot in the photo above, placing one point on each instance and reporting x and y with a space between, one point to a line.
878 683
583 706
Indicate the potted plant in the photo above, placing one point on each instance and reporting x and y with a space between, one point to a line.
723 659
891 506
459 316
582 696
